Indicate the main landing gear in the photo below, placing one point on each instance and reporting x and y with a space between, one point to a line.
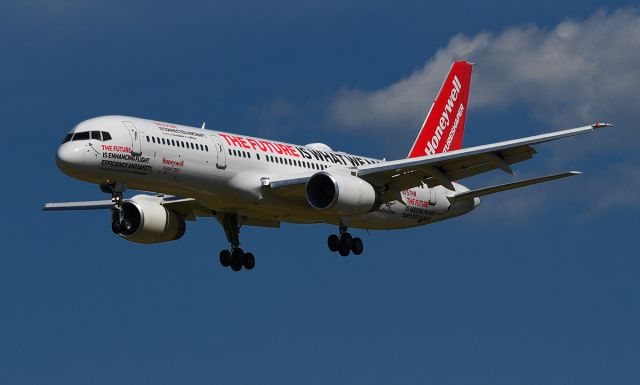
236 258
345 243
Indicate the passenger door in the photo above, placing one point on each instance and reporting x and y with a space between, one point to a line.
136 149
221 155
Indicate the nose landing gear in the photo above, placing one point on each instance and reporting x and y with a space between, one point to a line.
118 221
235 258
345 243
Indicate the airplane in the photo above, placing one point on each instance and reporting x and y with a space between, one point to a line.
247 181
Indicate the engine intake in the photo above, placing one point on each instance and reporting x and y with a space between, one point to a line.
146 220
341 193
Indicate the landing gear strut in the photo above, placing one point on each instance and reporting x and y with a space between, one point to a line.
118 221
235 258
345 243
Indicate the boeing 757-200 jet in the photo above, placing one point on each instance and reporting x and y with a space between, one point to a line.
247 181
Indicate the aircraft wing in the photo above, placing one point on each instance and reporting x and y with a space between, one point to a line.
443 168
85 205
188 208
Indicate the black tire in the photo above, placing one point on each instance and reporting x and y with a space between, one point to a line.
237 257
346 239
225 258
356 246
249 261
333 242
344 249
115 227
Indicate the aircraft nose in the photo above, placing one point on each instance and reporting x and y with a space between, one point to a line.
69 158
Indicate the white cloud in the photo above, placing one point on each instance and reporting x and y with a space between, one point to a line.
575 72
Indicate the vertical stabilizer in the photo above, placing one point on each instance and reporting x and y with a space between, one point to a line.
443 128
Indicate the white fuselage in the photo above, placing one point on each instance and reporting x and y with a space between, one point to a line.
229 173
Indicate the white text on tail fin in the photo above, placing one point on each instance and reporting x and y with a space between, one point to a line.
443 128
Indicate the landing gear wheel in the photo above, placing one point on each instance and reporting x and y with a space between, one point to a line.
356 246
225 258
333 242
249 261
343 249
346 239
237 257
235 266
115 227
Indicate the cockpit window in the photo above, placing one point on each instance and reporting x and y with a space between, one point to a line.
102 136
81 136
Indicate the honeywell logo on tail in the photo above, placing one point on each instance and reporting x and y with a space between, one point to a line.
443 127
445 120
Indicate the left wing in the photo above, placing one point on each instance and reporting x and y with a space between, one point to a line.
85 205
188 208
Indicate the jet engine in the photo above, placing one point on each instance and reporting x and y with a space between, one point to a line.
341 193
146 220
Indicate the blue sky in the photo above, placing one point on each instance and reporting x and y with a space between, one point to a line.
536 286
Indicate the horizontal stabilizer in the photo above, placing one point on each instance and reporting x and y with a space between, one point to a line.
508 186
86 205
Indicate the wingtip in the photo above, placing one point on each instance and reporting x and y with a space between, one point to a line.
601 125
575 172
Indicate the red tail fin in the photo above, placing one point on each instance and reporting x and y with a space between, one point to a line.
443 128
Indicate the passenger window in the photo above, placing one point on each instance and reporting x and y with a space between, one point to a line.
163 141
229 151
148 140
67 138
258 156
81 136
191 146
206 148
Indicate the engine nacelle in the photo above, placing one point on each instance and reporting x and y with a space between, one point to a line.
341 193
148 221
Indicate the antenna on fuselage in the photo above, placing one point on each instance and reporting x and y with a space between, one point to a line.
203 124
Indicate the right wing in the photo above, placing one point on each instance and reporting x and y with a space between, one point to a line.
443 168
440 169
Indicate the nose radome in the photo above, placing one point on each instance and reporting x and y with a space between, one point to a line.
69 157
